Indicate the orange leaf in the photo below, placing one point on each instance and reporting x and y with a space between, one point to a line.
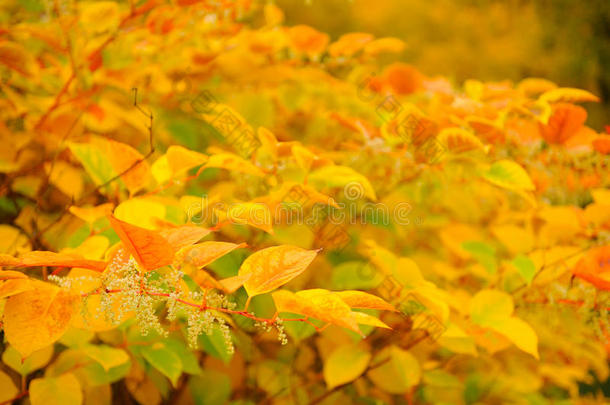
602 144
183 236
122 157
307 39
274 267
42 258
595 267
205 253
403 78
564 122
149 248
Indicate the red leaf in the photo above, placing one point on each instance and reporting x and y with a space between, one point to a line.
149 248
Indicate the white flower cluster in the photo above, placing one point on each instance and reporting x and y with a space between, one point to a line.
123 288
278 324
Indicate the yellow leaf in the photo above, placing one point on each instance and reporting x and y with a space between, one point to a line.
125 160
255 214
399 372
360 299
319 304
16 286
12 240
181 159
518 332
202 254
142 211
493 309
355 184
62 390
67 178
34 319
91 214
11 274
365 319
487 305
274 267
8 390
99 17
345 364
160 170
567 95
533 85
382 45
330 308
233 163
508 174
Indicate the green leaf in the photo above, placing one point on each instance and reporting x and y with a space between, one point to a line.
164 360
345 364
33 362
509 175
356 275
526 267
215 344
190 364
484 253
108 357
93 160
62 390
210 388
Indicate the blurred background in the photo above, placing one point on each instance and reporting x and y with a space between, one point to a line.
565 41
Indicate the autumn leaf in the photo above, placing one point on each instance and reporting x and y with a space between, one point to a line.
44 258
183 236
319 304
202 254
494 309
508 174
345 365
568 95
180 159
360 299
36 318
273 267
565 121
149 248
594 267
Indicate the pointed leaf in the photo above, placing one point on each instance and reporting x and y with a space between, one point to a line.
35 319
149 248
274 267
345 364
